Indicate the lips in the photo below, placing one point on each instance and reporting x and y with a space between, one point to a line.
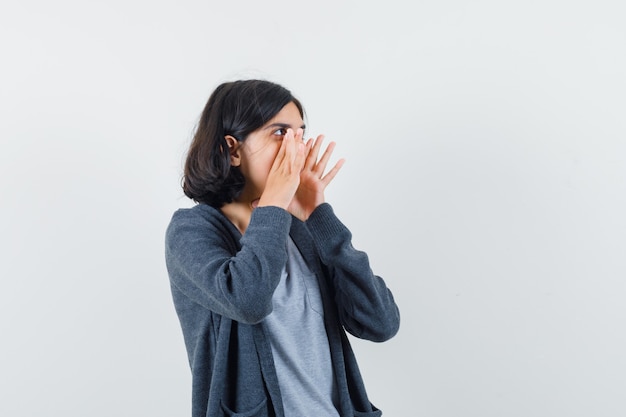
255 203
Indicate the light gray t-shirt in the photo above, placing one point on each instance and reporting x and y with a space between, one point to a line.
299 342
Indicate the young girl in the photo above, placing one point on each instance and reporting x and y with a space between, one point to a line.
264 277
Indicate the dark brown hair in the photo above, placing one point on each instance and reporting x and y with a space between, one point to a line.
235 108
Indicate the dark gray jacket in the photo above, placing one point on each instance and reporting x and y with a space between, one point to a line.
222 285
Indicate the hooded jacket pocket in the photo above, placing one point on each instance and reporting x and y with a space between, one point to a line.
258 411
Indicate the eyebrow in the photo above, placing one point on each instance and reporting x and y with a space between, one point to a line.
283 125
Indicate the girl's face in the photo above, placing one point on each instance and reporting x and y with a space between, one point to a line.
258 151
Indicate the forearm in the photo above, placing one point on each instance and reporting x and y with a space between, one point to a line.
366 306
207 264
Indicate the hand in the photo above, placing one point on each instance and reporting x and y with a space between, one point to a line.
284 176
313 181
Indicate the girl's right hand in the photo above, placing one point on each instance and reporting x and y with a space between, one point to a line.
284 176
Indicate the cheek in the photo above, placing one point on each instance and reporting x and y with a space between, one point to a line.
262 163
270 154
266 166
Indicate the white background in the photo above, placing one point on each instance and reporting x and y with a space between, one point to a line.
485 177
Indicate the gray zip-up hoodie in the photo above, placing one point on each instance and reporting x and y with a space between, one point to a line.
222 285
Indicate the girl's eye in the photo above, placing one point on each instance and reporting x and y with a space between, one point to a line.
281 132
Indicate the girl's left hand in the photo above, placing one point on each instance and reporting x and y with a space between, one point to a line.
313 181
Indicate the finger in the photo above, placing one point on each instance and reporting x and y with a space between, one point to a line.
299 134
290 146
298 151
333 172
321 165
281 155
314 152
306 152
285 152
298 145
301 155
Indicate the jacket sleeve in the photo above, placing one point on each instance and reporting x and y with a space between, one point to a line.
366 306
207 265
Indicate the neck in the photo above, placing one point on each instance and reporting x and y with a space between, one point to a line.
239 214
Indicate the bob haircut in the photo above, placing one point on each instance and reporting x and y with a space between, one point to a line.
235 108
